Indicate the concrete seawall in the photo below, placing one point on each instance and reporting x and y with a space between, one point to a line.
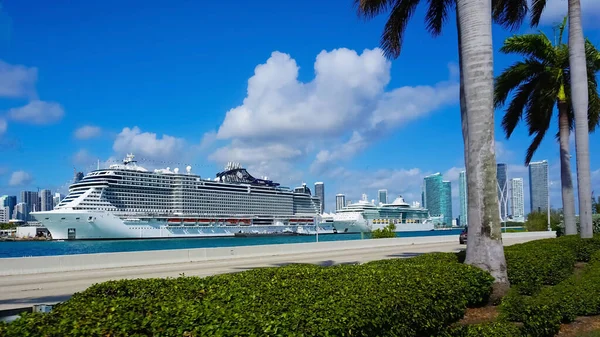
63 263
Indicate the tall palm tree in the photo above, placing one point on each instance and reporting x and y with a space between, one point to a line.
484 246
539 83
511 13
580 103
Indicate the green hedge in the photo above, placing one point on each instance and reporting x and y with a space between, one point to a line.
537 263
493 329
402 297
542 314
583 248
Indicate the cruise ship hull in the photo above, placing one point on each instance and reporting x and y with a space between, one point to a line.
96 225
354 226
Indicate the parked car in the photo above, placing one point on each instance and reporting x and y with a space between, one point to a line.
462 238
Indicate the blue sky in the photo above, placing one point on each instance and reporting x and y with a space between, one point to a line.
297 91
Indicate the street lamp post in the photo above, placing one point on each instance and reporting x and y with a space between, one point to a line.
549 227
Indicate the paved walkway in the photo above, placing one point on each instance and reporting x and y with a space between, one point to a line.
19 291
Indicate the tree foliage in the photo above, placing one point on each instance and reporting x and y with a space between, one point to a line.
538 221
385 232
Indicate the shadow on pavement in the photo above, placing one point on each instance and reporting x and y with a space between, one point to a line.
404 255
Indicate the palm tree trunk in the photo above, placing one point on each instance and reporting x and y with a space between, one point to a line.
463 103
566 179
579 94
484 246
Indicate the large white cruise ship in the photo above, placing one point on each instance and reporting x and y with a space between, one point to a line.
126 201
365 216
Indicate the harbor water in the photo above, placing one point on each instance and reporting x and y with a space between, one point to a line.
51 248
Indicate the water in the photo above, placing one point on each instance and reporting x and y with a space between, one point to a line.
50 248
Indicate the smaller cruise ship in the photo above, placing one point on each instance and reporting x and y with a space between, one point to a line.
365 216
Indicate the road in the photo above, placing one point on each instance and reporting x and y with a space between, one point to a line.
20 291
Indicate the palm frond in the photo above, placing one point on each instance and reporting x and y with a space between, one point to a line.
371 8
512 77
594 103
393 32
540 105
535 144
437 14
537 8
536 46
509 13
539 110
516 108
592 57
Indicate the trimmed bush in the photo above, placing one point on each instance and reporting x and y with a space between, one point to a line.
582 248
401 297
542 314
493 329
595 258
537 263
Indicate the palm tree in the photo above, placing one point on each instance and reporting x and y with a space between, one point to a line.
540 82
580 103
484 246
510 13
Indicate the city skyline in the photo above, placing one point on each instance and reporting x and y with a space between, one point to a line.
52 198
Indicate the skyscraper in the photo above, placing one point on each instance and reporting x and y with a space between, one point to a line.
21 212
57 198
320 193
462 196
538 186
32 202
447 202
436 197
4 214
517 200
340 201
46 202
9 201
383 196
501 177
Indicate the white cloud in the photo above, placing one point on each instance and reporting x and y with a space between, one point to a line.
83 157
347 90
453 173
207 140
278 105
17 80
503 154
556 10
345 100
37 112
326 158
246 153
20 178
147 145
405 104
3 126
87 132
